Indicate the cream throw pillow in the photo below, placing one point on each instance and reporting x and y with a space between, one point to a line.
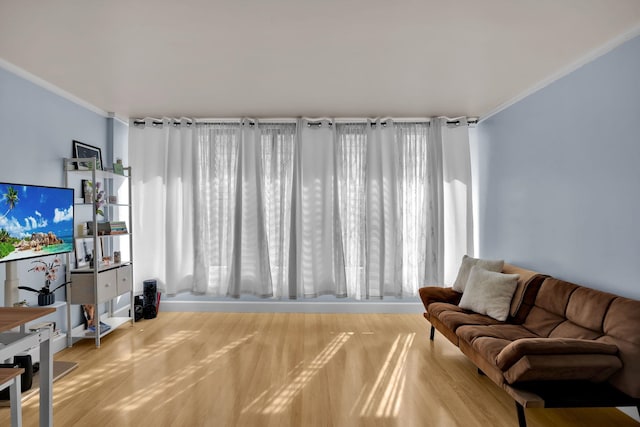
465 269
489 293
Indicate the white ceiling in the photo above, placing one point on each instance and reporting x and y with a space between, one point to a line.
287 58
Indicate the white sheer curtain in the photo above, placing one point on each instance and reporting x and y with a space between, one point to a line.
244 176
317 257
389 207
286 210
457 196
419 207
352 167
250 267
278 143
216 168
162 182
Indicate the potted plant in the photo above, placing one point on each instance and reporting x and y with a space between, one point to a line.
96 194
46 295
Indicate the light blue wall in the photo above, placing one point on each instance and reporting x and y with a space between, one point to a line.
37 128
559 177
120 131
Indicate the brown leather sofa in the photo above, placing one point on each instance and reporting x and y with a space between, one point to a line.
563 345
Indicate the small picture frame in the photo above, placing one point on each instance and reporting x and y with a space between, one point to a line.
85 151
84 253
86 191
118 168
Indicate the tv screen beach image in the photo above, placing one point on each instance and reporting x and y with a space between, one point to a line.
35 221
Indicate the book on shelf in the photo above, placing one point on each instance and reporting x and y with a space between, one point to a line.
91 330
108 227
37 326
118 227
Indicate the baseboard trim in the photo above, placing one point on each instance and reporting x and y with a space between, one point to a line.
293 307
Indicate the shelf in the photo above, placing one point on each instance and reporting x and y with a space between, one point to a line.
57 304
90 236
58 340
89 270
113 322
100 174
106 205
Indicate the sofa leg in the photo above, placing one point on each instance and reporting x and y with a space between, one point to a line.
432 333
522 421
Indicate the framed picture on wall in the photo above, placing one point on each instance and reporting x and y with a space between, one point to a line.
85 151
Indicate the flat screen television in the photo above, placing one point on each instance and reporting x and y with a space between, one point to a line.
35 221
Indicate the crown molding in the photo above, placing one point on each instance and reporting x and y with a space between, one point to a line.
591 56
20 72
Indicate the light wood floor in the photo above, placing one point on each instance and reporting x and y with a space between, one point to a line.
238 369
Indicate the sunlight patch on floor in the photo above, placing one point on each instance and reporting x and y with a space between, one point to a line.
278 401
158 390
92 377
385 397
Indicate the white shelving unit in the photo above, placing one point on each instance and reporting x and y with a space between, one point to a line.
92 278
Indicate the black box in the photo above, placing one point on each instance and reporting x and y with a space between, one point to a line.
149 300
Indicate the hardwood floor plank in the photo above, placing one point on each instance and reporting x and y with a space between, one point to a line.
284 369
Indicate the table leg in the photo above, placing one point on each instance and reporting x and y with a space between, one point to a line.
16 402
46 380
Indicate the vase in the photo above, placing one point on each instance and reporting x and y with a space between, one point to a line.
46 299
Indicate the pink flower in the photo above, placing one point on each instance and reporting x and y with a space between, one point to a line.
49 269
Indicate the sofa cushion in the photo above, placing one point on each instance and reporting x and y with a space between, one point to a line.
489 293
549 307
587 308
454 319
465 269
470 333
447 318
568 329
437 308
528 346
554 295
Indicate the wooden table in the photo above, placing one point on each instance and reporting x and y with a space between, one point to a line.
12 343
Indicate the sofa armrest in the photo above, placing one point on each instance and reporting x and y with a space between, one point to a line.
431 294
563 367
550 346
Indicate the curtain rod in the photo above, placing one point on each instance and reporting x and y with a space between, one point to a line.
188 122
